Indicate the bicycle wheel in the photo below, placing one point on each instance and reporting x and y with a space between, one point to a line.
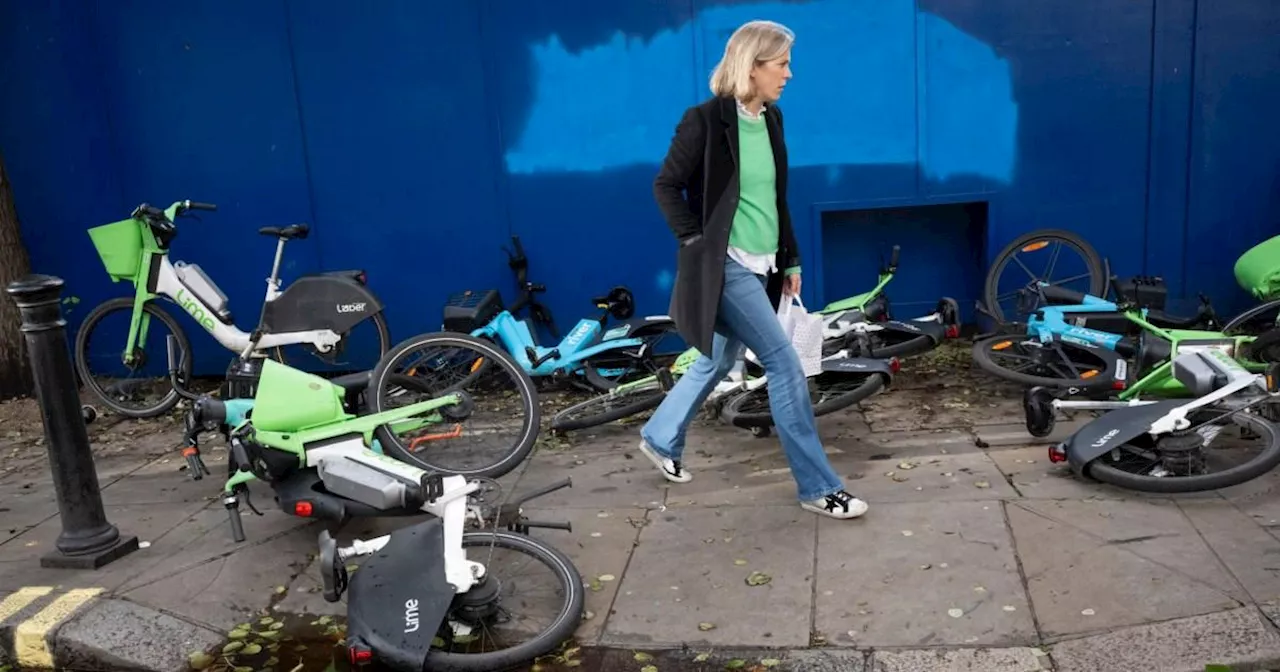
1168 464
499 404
1033 243
480 614
611 406
339 361
1056 364
113 396
828 392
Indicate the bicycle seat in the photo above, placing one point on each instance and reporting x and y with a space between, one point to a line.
298 231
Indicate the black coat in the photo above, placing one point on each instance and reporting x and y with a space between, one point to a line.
703 162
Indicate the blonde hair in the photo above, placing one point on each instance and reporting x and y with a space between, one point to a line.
753 42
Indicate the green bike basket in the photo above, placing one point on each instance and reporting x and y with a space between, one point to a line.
1258 270
120 246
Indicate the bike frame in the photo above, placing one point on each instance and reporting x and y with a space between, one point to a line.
1051 321
516 338
163 281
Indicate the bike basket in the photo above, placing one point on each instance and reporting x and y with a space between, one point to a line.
120 246
467 311
1258 270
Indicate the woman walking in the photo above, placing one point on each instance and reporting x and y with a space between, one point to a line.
734 231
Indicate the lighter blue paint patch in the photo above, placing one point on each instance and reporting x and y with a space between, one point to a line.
665 280
852 102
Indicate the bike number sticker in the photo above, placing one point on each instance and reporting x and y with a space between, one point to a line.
615 332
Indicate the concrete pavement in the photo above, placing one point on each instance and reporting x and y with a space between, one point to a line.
971 558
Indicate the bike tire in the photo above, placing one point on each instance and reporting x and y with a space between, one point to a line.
647 397
385 372
982 356
561 629
990 288
1264 462
91 321
733 412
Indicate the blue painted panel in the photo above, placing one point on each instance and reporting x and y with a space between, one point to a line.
57 143
203 108
856 243
400 148
1235 142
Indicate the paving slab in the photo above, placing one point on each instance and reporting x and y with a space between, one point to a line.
22 507
20 557
1085 575
221 590
600 544
915 443
947 477
1240 638
613 476
117 634
1251 555
1019 659
703 557
915 574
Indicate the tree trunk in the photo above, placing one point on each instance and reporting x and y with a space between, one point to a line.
15 372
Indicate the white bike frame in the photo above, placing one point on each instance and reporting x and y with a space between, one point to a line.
168 284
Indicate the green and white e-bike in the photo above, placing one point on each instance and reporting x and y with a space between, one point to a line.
317 311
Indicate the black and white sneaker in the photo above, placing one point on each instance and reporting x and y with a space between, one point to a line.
840 504
671 469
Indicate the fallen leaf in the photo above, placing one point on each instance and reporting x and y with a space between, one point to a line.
596 585
906 465
607 577
280 590
770 662
642 657
277 625
758 579
199 660
251 649
926 566
266 621
232 647
238 634
701 657
899 479
982 484
955 613
649 668
739 562
575 663
735 664
1088 612
907 533
704 626
1009 607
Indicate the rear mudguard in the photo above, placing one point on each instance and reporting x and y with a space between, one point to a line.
859 365
1113 429
637 327
399 597
320 302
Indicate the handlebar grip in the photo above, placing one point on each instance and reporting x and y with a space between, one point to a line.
194 205
893 256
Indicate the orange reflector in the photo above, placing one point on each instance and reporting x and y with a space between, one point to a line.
451 434
1038 245
189 451
1002 345
1089 374
476 364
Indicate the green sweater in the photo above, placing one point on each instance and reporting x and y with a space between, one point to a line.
755 224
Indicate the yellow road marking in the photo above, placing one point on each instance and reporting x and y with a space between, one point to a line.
19 600
29 644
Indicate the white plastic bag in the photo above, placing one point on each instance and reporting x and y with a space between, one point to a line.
804 329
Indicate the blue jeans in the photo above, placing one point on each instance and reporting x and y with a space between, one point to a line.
746 319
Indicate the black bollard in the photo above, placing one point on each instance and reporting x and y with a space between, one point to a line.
88 540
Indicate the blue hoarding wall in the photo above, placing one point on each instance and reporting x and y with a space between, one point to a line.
416 137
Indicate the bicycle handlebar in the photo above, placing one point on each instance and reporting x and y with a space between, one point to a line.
196 205
893 256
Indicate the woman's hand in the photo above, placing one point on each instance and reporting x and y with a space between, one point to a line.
791 285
